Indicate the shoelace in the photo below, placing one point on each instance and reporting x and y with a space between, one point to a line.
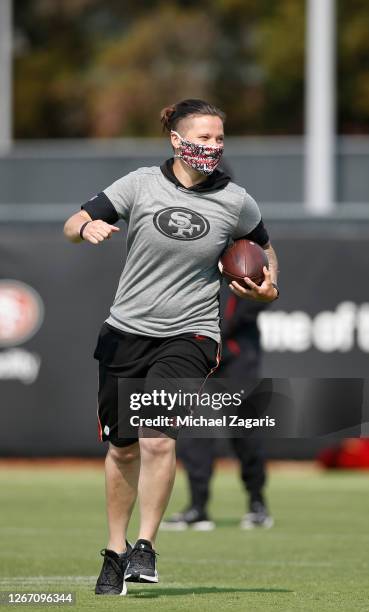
139 554
113 564
103 553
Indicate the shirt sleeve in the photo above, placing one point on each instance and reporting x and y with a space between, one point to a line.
115 202
259 234
122 194
249 218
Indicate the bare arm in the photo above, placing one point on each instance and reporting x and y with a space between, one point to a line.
273 262
94 232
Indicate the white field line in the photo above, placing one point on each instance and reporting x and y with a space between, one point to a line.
12 580
46 580
252 562
15 529
279 532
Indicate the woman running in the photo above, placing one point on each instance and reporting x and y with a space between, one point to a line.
164 322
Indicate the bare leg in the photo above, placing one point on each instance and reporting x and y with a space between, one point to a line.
158 467
122 467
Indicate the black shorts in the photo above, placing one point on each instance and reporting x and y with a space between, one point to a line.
129 356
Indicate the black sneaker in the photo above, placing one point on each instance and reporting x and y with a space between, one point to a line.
194 518
111 578
142 563
257 517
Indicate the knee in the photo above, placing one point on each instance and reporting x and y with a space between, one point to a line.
124 454
157 447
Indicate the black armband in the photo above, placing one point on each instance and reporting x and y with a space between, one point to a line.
259 234
100 207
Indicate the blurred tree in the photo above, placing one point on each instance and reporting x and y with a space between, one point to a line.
105 68
51 53
353 66
260 63
165 56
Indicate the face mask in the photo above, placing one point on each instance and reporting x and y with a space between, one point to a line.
200 157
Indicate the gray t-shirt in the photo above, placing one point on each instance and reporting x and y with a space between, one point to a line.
170 282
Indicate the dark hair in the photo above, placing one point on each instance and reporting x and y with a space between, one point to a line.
171 115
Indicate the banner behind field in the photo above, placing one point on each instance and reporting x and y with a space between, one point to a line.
55 295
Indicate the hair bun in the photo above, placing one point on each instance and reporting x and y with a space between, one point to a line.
172 114
166 116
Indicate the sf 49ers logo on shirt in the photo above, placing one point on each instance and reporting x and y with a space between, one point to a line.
181 223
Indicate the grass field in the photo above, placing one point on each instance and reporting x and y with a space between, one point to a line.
315 558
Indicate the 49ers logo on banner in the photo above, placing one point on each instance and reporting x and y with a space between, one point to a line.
181 223
21 312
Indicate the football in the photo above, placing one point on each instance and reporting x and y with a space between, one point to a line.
243 258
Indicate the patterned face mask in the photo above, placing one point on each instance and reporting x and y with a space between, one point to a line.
200 157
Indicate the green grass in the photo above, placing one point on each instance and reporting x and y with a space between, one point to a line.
314 559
